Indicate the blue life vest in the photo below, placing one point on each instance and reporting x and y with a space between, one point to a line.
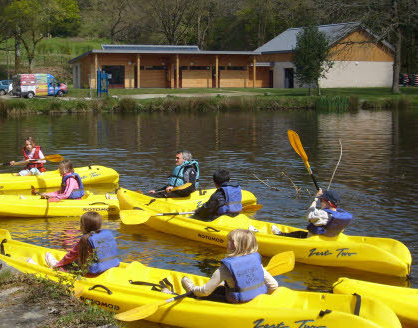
177 176
105 251
76 193
233 196
340 219
248 275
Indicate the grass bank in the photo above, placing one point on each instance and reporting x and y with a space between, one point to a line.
37 302
176 100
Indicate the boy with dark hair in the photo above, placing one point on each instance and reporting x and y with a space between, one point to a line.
226 200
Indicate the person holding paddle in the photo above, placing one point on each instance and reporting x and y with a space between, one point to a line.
226 200
31 152
328 220
186 171
71 186
242 257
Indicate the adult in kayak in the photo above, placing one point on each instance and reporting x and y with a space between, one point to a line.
186 170
328 220
30 152
71 185
226 200
242 256
95 252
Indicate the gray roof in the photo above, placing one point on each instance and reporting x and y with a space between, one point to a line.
286 41
159 49
148 47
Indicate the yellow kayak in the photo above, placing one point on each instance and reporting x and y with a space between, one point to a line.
90 175
403 301
117 290
34 206
379 255
190 203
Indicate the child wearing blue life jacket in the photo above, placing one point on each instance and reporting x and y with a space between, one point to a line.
32 152
328 220
71 186
242 257
226 200
97 248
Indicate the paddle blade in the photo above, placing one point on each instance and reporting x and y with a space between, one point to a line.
131 217
297 145
251 208
138 313
54 158
186 185
281 263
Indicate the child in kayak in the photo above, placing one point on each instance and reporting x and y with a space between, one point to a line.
95 241
30 152
71 185
242 256
328 220
225 200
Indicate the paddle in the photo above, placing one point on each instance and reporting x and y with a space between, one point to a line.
279 264
186 185
139 216
52 158
297 146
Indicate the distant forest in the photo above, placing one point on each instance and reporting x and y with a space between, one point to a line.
210 24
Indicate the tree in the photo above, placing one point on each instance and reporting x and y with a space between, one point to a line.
32 20
390 20
311 56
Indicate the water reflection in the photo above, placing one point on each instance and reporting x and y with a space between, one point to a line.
376 177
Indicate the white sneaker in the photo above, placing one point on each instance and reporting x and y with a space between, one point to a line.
50 259
29 260
252 228
275 230
166 291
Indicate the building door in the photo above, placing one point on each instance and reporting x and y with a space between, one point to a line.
288 78
118 76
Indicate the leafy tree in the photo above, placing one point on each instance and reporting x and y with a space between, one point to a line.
311 56
32 20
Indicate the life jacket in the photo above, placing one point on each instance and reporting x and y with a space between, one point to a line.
248 275
177 176
233 196
30 165
76 193
105 251
340 219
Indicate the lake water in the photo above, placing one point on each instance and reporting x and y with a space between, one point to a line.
376 177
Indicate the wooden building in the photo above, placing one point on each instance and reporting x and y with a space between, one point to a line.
160 66
360 58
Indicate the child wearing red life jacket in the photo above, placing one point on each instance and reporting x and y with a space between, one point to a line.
31 152
95 252
71 186
242 256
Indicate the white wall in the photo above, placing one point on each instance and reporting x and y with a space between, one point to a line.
344 74
358 74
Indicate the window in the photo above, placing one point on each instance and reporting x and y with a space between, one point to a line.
199 68
155 68
118 74
237 68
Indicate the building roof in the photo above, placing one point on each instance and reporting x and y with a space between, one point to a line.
286 41
158 49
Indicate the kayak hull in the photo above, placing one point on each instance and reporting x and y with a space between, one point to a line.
90 175
403 301
129 199
34 206
379 255
283 308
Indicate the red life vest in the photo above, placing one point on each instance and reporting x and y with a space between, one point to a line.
30 165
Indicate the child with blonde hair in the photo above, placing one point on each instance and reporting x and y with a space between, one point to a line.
242 271
71 185
97 248
31 152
